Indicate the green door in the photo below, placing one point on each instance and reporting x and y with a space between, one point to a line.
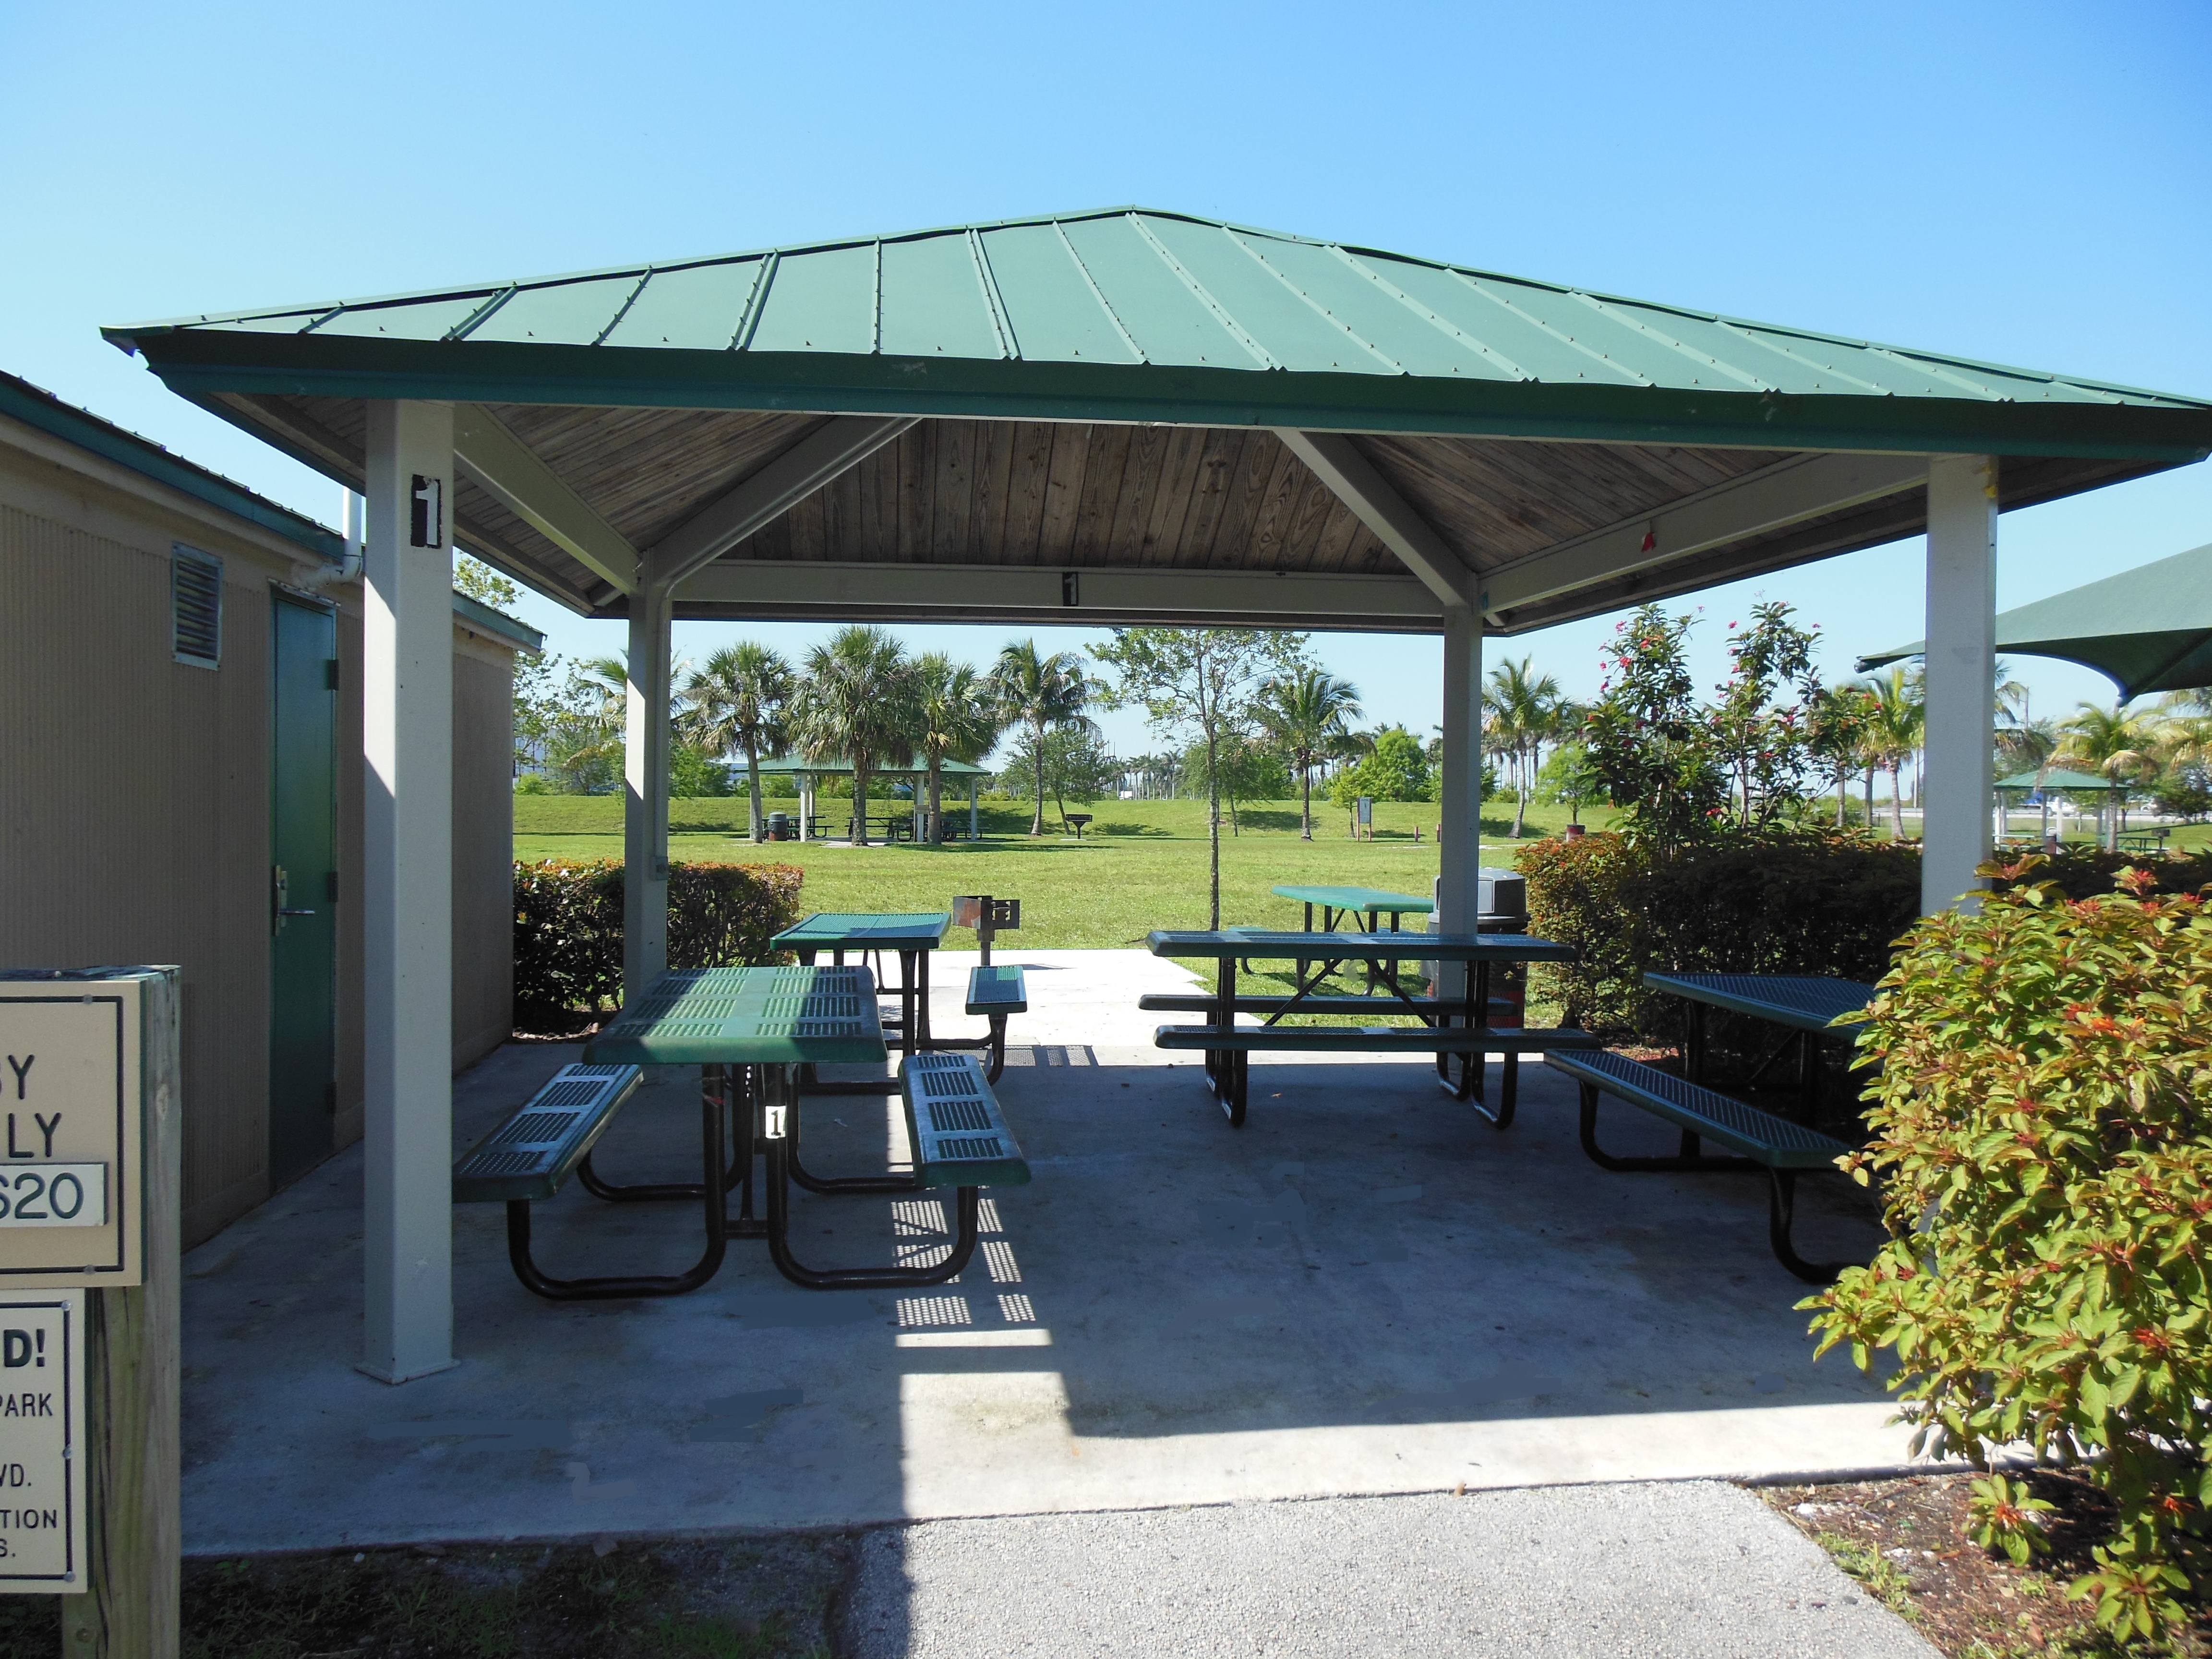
303 886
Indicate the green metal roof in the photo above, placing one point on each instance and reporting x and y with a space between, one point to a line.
1134 314
2146 629
2058 778
789 765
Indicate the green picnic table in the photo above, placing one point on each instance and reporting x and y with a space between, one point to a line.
1228 1047
1370 902
913 935
1807 1005
750 1031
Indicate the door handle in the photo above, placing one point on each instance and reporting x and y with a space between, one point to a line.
295 912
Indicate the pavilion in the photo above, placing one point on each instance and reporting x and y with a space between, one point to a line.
1108 417
807 771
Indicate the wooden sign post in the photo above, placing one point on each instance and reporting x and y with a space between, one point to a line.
90 1328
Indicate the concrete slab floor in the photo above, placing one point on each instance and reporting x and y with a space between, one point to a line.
1364 1290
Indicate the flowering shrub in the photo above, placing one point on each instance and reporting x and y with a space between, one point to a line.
568 927
2043 1115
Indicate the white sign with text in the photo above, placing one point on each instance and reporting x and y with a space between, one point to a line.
71 1134
42 1447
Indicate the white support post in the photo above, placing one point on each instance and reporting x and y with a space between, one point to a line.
1961 669
644 791
407 906
1459 813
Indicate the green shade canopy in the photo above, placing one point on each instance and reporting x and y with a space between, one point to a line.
1128 415
2146 630
2059 779
787 765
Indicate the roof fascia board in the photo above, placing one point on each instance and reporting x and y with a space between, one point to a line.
1107 595
509 471
203 364
760 499
1352 478
86 431
188 513
1771 499
479 614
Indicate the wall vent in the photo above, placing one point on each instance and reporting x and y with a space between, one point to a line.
196 607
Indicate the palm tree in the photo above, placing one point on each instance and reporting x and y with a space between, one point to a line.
1039 692
1896 717
855 703
1306 714
736 703
2115 743
1523 714
954 716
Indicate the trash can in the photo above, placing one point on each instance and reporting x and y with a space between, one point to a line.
778 826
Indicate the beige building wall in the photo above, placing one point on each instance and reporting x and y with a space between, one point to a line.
134 789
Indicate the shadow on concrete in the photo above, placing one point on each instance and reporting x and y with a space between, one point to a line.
1364 1290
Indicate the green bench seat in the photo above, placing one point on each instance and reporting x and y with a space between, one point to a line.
953 1123
1759 1140
997 990
1228 1051
1197 1002
537 1147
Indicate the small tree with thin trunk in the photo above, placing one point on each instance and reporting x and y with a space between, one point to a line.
736 703
1041 693
1305 712
1198 683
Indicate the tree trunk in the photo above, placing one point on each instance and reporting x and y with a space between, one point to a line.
860 802
1306 812
1869 799
1521 797
936 825
1843 780
752 778
1037 824
1213 829
1897 802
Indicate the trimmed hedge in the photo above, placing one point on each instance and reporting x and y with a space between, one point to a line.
1801 902
568 928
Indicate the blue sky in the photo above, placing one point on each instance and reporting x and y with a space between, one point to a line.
2026 183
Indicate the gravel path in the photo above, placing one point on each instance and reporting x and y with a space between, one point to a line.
1640 1572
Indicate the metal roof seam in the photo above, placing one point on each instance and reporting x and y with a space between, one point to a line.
741 337
1541 327
1606 308
991 300
1428 314
623 310
1328 316
1229 325
1754 338
468 324
1092 283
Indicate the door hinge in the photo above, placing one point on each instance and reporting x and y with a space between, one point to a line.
331 886
330 673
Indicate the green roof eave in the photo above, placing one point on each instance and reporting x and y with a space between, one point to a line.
477 615
38 409
203 363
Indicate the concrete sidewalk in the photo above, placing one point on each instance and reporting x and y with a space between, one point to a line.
1696 1571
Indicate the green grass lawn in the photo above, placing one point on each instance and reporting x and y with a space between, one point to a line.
1141 864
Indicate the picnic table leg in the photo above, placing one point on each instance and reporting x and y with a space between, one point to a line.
713 1083
1693 1058
921 1006
1809 1078
781 1108
832 1184
611 1288
1224 1073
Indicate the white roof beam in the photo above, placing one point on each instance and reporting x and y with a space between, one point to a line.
825 590
759 500
1339 463
508 470
1773 498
